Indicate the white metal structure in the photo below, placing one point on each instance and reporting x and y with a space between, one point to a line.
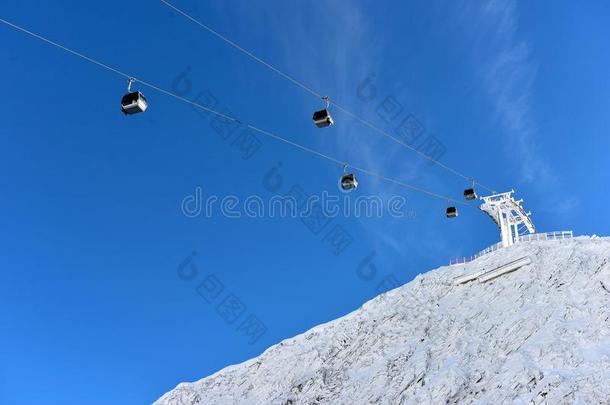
509 215
525 238
547 236
483 252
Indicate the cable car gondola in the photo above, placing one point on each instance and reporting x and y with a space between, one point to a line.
470 193
348 181
323 118
452 212
133 102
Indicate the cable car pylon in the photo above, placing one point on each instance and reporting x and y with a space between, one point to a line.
510 216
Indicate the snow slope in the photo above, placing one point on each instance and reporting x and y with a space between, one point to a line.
538 335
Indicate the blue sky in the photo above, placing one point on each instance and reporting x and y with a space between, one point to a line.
93 308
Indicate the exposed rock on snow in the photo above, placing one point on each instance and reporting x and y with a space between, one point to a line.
538 335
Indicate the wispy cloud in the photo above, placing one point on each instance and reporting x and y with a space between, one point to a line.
509 74
333 58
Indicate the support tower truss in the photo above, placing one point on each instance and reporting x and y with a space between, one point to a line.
509 215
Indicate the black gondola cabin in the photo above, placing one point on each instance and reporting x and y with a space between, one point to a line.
470 194
452 212
348 182
133 103
322 118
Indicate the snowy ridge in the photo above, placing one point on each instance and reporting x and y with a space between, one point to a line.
538 335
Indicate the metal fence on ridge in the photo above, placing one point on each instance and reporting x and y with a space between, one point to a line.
525 238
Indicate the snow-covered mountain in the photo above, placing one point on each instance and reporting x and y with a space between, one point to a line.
540 334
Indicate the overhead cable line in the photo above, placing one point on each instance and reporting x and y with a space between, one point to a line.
315 93
131 78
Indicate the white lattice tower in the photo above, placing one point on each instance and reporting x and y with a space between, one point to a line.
509 215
